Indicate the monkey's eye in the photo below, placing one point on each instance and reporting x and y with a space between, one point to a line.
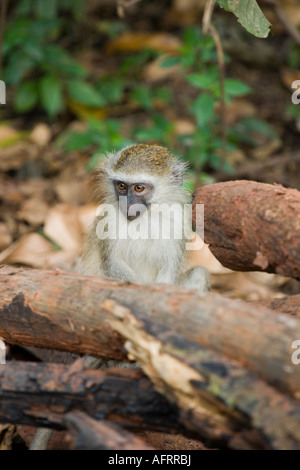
139 188
122 186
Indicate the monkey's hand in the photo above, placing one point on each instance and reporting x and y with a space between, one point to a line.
121 270
196 278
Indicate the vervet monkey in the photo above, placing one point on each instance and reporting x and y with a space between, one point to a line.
142 232
141 191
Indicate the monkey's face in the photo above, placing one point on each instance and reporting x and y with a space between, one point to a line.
136 197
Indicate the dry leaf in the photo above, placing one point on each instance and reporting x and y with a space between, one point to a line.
7 133
14 156
33 211
31 249
35 251
204 257
246 285
184 126
292 10
288 76
63 226
134 42
154 72
264 151
5 236
41 134
87 215
73 192
7 432
238 109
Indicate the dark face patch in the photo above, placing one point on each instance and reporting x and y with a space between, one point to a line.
137 197
147 158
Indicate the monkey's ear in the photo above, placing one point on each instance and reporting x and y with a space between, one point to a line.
178 171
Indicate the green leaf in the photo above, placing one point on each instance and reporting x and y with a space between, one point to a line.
203 109
51 94
83 92
205 81
249 15
78 141
192 36
252 131
16 67
93 161
142 95
112 89
47 9
236 88
170 61
26 97
60 60
163 94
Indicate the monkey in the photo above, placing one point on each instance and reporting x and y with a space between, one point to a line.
140 185
142 232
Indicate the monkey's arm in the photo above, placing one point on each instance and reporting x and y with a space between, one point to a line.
119 269
196 278
90 262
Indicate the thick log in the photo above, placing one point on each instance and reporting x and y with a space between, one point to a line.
35 303
41 308
252 226
200 383
33 314
40 394
289 305
89 434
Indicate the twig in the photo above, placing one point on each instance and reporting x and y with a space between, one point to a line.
208 27
3 12
290 28
252 170
122 5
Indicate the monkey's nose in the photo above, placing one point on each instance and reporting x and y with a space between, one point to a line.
132 217
135 210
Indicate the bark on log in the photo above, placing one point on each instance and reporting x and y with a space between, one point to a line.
39 394
252 226
289 305
89 434
200 383
63 311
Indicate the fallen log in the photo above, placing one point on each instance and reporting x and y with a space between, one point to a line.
41 308
289 305
40 394
88 434
205 387
252 226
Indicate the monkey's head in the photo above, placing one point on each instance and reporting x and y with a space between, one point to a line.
144 174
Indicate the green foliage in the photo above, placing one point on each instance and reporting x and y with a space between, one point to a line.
249 15
251 131
98 138
199 62
42 73
202 147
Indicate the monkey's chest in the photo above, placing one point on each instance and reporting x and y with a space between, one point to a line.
145 257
